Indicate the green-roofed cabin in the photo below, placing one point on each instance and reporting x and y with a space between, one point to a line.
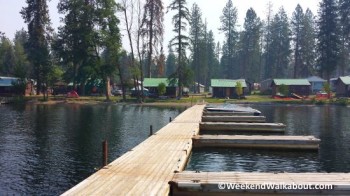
152 85
343 86
225 88
301 87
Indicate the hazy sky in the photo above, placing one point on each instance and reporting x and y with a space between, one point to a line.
11 20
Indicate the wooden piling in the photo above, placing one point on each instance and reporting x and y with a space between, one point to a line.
150 130
104 153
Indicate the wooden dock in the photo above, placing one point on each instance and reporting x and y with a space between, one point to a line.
217 183
249 127
147 168
256 141
251 119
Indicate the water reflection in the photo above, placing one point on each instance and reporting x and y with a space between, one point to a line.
46 149
329 123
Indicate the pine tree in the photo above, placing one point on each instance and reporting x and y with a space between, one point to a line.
170 64
344 11
36 15
153 28
308 44
268 59
213 62
328 38
297 27
22 66
280 40
228 26
181 41
250 47
196 36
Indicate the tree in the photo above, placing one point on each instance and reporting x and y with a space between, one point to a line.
213 59
267 42
280 40
161 89
196 36
22 66
153 27
344 12
180 20
239 89
110 41
170 64
36 15
297 28
228 26
7 57
250 47
308 44
328 38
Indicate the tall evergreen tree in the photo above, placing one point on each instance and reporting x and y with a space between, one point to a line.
228 26
181 41
196 36
213 60
328 38
267 42
280 40
153 27
170 64
308 44
36 15
344 11
250 47
22 66
297 27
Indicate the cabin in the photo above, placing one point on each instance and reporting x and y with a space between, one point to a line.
317 83
343 86
225 88
152 85
8 89
301 87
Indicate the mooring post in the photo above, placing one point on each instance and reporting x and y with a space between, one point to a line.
104 153
150 130
170 119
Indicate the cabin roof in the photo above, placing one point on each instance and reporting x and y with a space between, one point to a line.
154 82
7 81
315 79
291 82
345 80
227 83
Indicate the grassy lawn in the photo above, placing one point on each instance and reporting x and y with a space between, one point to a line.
191 100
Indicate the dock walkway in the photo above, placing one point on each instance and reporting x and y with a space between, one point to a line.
147 168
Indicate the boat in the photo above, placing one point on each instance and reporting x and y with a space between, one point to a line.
232 108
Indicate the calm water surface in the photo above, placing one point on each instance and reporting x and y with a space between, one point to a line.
45 150
329 123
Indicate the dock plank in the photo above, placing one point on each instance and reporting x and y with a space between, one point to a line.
252 119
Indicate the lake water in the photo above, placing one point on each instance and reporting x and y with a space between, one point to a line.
329 123
47 149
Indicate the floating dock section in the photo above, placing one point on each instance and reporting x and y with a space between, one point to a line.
251 119
249 127
256 141
226 183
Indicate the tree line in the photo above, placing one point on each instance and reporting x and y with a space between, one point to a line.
86 49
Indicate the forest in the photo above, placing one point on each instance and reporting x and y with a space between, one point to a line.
87 48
